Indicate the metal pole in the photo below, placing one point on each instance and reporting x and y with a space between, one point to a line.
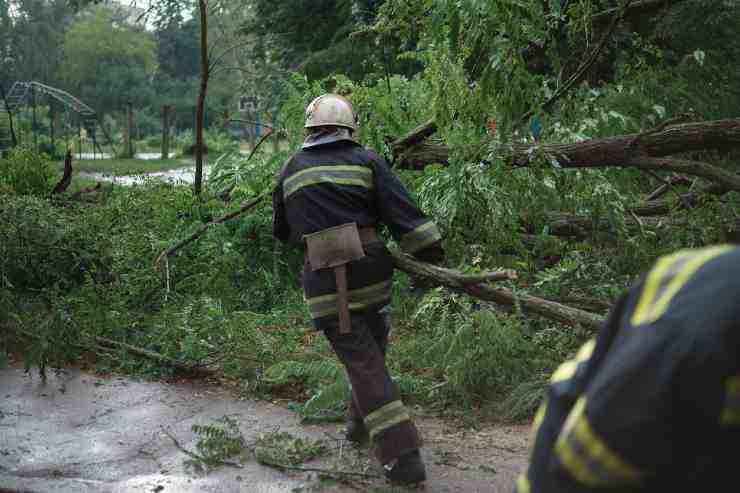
52 114
66 132
34 129
165 131
129 134
13 140
79 139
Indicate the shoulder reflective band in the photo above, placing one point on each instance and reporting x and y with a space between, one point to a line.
667 278
337 174
387 416
568 369
420 237
537 423
731 411
323 306
587 458
522 484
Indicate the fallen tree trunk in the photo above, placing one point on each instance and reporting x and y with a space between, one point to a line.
643 151
502 296
564 224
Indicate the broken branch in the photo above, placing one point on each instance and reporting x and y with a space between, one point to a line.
531 304
162 258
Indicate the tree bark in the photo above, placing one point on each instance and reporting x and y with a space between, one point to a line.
577 226
200 108
415 136
66 179
647 151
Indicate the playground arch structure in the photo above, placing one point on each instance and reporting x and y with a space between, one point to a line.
78 121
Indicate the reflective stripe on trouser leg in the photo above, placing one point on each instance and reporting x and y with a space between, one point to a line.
373 389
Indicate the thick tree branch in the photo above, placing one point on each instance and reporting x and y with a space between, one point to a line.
696 168
502 296
414 136
618 151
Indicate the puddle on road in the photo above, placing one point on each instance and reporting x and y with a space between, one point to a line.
178 175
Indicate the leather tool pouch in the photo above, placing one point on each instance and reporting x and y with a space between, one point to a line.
334 248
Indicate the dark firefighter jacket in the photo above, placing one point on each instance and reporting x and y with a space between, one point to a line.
653 404
338 183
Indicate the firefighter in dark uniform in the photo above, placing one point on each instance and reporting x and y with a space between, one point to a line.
653 403
331 182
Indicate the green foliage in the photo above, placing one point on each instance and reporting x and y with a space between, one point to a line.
282 448
217 442
42 249
232 300
107 63
26 172
326 379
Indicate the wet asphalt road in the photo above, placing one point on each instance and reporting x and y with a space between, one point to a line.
81 432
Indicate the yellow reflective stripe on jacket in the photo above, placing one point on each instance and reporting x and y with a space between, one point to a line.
588 458
536 423
360 176
522 484
387 416
420 237
568 369
325 305
670 274
731 410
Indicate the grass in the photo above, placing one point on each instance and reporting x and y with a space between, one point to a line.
124 166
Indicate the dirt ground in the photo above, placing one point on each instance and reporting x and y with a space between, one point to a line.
81 432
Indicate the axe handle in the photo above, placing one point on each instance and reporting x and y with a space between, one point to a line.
340 275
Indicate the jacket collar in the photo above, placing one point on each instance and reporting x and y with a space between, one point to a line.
327 136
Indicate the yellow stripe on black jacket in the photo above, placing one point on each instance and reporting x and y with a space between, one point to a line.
654 404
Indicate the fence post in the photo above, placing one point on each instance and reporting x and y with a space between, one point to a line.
129 131
165 131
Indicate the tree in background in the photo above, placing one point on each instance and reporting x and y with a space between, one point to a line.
316 38
31 38
106 63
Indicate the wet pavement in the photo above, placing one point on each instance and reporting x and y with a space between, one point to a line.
81 432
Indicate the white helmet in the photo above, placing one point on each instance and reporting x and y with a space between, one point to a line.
330 109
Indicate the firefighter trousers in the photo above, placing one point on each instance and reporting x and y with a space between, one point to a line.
375 398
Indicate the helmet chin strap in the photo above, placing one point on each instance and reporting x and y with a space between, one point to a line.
325 135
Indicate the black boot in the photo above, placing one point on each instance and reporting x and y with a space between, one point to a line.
408 469
356 431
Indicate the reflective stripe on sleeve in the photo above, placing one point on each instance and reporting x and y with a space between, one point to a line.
587 458
338 174
420 237
537 423
568 369
522 484
323 306
731 410
667 278
385 417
